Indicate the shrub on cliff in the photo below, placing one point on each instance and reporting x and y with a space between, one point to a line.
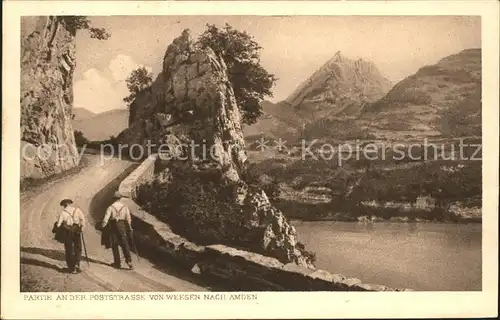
311 256
250 81
254 178
195 205
199 205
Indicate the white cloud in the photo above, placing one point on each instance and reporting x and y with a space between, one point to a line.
101 91
122 65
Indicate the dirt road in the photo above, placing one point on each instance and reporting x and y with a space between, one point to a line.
42 258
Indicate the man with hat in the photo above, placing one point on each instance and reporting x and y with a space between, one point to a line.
119 221
72 221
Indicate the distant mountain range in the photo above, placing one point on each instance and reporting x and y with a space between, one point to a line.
82 114
100 126
350 99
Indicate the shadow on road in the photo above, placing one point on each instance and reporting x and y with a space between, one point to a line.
39 263
170 266
52 254
104 197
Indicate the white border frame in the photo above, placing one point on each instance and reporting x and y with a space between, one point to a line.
268 304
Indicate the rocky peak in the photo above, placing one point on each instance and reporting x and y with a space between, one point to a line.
337 57
201 97
192 99
180 45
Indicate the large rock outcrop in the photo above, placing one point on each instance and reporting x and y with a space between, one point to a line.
47 65
192 101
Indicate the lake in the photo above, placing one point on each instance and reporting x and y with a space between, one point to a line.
418 256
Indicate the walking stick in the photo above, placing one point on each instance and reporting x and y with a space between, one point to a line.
133 243
85 248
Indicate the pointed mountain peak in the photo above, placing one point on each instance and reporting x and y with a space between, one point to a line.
341 77
338 56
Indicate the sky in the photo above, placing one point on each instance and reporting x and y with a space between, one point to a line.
293 47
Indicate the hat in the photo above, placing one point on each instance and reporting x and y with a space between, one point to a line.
65 202
117 194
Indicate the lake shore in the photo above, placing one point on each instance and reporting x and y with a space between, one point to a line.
297 210
394 220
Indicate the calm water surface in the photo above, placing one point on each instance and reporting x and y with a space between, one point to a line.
418 256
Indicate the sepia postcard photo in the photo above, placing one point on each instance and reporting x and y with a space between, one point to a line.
250 160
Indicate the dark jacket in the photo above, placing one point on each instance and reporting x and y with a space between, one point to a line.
106 236
59 233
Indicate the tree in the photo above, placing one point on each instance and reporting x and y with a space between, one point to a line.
140 79
241 54
74 23
80 139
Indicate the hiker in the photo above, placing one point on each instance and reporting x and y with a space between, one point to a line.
118 222
69 228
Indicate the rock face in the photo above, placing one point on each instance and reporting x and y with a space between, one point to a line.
192 100
47 65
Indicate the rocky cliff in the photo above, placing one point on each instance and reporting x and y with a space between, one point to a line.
192 101
47 65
